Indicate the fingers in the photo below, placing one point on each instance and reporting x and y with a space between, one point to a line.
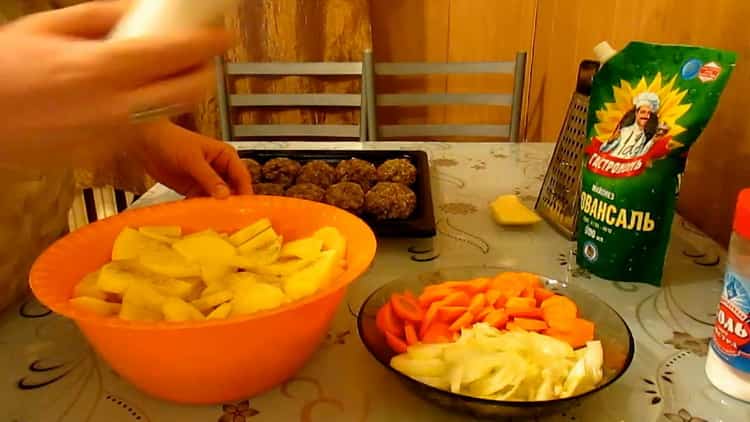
235 171
87 20
143 60
178 93
215 167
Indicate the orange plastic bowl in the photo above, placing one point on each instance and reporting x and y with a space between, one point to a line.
213 361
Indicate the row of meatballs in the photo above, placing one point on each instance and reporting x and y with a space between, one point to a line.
354 185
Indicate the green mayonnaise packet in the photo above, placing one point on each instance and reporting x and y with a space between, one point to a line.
649 103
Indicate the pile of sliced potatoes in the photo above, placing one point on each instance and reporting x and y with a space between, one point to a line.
158 274
505 365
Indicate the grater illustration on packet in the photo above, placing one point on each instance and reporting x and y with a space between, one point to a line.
559 197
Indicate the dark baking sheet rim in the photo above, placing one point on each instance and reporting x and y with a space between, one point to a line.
420 225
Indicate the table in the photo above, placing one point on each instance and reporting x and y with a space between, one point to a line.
50 374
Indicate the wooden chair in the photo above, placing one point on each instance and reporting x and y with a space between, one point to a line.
227 100
93 204
514 100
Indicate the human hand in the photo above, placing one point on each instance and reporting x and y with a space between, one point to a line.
189 163
64 82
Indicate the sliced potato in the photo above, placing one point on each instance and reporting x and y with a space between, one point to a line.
221 312
262 240
144 295
133 312
168 263
116 277
333 240
256 297
239 281
88 287
308 248
213 273
205 248
208 302
130 244
283 268
243 235
167 234
177 310
172 287
307 281
259 257
95 305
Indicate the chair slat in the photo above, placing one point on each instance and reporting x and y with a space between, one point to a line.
333 131
437 130
406 68
294 69
444 99
282 100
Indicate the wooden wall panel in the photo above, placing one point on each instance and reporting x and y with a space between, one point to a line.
568 29
411 30
450 30
295 30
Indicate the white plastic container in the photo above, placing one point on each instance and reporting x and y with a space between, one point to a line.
152 17
728 361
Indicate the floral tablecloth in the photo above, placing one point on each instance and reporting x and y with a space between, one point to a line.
50 374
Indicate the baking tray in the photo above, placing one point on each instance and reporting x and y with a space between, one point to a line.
422 222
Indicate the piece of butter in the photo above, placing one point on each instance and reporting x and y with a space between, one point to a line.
509 211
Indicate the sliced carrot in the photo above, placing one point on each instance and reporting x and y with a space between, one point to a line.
520 302
513 327
438 332
497 318
409 295
561 301
433 294
429 317
509 284
500 302
395 343
483 313
583 331
463 321
469 286
411 334
406 308
450 313
524 312
528 292
527 324
541 294
559 313
492 296
456 299
562 324
532 280
388 322
477 303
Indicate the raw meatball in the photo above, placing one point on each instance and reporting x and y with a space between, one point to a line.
306 191
317 172
358 171
388 200
346 195
254 168
399 170
273 189
281 170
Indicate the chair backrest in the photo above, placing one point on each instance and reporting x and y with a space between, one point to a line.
514 99
228 100
93 204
